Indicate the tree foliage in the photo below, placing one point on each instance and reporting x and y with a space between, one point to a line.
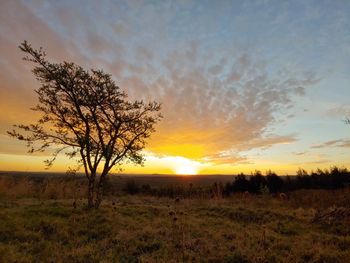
86 115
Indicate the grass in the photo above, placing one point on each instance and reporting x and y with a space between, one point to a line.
149 229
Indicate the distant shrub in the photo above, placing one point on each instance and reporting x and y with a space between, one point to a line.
131 187
273 182
63 187
256 182
240 184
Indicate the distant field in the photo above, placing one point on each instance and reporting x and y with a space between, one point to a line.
310 226
119 180
19 182
152 179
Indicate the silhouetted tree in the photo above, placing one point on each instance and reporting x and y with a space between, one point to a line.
240 184
256 182
303 178
339 177
302 172
274 182
85 113
228 189
131 187
290 184
320 179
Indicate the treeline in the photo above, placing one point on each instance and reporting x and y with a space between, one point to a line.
256 183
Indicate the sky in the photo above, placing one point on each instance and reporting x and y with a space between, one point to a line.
244 85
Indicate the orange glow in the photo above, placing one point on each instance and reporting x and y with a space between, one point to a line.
186 170
161 165
192 151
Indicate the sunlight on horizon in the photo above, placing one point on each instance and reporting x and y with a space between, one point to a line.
262 102
179 165
186 170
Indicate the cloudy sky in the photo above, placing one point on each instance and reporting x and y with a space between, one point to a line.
244 85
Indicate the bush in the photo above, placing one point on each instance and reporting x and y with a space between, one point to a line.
274 182
240 184
256 182
131 187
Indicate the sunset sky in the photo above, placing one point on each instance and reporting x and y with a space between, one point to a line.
244 85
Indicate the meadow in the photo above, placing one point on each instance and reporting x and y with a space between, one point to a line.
44 219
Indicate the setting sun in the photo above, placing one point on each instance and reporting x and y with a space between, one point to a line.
175 131
186 170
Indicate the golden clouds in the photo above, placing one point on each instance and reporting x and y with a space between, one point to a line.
217 104
187 150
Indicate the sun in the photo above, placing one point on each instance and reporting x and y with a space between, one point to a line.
182 165
186 170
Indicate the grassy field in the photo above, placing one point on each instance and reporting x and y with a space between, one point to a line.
311 226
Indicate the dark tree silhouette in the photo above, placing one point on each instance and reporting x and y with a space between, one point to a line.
131 187
256 182
240 184
86 115
303 178
273 182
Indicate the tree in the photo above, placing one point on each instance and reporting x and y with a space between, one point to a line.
273 182
240 184
131 187
256 182
86 115
303 179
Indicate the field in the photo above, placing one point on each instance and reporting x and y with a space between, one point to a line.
309 226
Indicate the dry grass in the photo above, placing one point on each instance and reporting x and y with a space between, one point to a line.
61 187
148 229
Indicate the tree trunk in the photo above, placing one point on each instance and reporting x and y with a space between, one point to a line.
90 193
99 191
99 195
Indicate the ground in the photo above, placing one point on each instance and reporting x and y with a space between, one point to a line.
241 228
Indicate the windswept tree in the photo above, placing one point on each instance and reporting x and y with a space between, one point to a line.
88 117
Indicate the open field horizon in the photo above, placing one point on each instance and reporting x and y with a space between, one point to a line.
193 218
175 131
311 226
242 86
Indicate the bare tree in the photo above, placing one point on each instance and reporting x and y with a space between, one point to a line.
86 115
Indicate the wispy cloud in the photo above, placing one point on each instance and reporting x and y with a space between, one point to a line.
223 72
342 111
300 153
334 143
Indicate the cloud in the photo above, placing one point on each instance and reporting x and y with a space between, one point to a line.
217 104
342 111
266 142
226 157
18 23
319 162
300 153
98 44
344 143
215 115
